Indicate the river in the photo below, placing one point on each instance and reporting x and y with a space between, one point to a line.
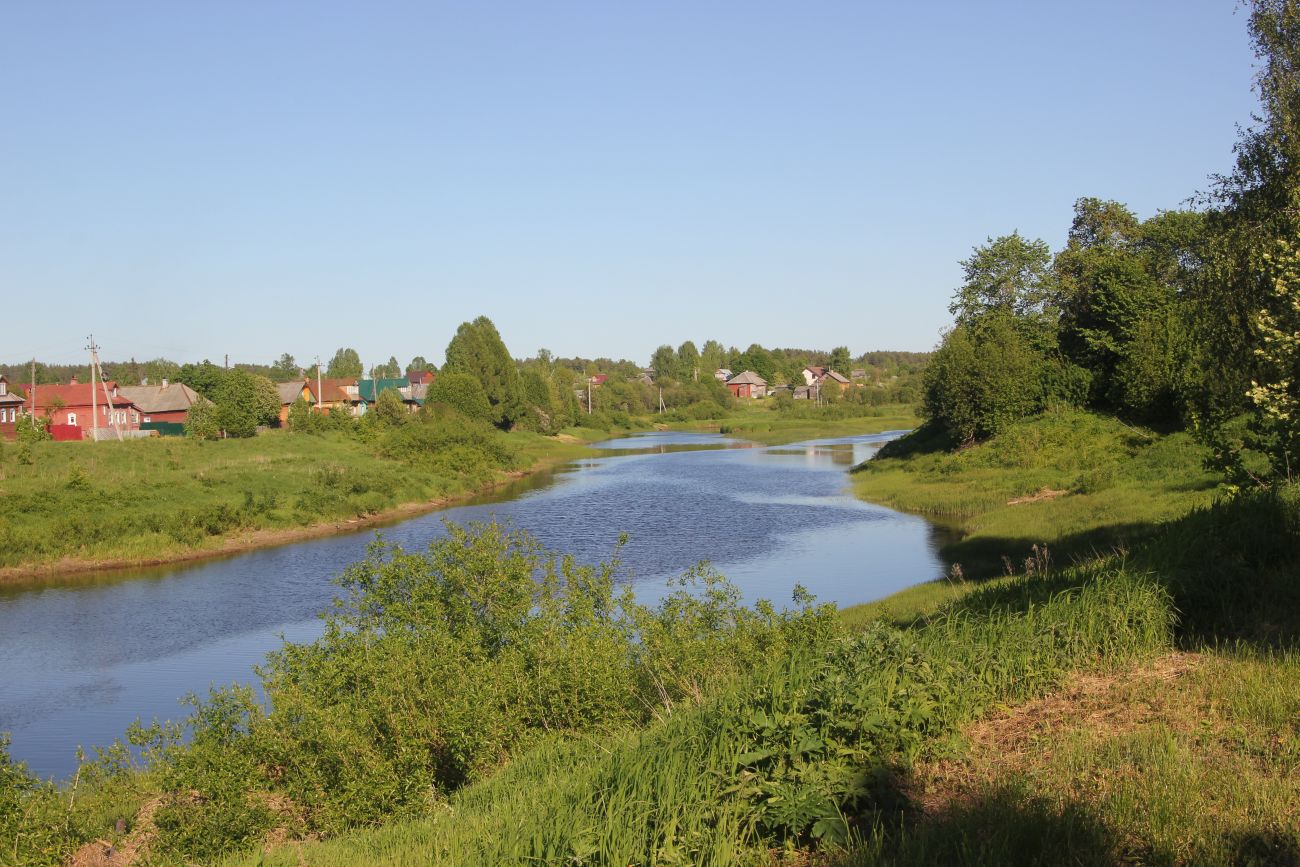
79 661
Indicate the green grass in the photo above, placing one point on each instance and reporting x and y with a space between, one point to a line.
760 421
1108 485
150 500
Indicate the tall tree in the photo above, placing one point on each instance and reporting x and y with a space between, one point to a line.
478 350
840 360
711 356
688 362
664 363
346 364
1008 274
420 365
285 368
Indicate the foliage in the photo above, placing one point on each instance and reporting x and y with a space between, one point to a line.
244 401
203 422
460 391
477 350
346 364
205 377
390 409
1008 275
435 667
982 378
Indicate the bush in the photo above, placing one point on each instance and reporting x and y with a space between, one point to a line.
461 392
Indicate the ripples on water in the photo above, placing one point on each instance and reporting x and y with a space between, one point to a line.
79 662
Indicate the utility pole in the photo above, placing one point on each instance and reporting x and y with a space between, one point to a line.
589 395
227 361
319 397
94 407
33 393
97 375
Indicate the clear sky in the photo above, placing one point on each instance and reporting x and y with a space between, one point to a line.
194 179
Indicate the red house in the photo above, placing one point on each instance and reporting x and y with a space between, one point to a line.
747 384
73 411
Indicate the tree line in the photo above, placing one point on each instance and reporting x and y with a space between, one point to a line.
1187 319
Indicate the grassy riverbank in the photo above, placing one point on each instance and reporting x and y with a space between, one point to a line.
72 507
767 423
1075 482
1136 706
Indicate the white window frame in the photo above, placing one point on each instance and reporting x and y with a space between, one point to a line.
72 419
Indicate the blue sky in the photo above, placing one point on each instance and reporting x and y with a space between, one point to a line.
252 178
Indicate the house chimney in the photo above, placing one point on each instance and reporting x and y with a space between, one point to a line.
72 381
164 382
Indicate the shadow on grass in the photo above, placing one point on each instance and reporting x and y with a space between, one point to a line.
1007 824
1232 569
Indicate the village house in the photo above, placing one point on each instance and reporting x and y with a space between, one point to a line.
167 403
83 411
331 394
11 407
722 374
291 393
747 384
368 390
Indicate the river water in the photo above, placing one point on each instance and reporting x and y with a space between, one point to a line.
81 661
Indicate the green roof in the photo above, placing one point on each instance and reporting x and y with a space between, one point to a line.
366 387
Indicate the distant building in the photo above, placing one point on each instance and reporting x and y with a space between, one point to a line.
11 407
722 374
86 410
169 402
291 393
747 384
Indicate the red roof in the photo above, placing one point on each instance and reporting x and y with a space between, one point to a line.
72 396
598 379
418 376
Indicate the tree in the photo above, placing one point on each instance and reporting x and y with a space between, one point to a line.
303 419
205 378
841 362
245 400
346 364
201 422
757 359
462 392
389 408
419 365
1246 314
389 369
711 356
1008 274
478 350
285 369
664 363
688 362
984 376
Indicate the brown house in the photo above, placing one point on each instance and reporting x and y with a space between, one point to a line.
11 407
290 393
747 384
169 402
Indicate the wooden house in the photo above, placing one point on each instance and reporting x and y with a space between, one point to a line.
747 384
11 407
169 402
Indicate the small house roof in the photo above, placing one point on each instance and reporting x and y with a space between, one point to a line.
749 377
291 391
830 374
369 389
172 397
332 390
72 396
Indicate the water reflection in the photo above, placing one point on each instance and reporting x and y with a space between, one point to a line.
79 661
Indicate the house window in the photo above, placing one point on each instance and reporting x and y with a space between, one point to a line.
72 419
4 388
135 419
146 419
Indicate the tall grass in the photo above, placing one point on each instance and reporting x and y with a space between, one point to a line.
798 754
